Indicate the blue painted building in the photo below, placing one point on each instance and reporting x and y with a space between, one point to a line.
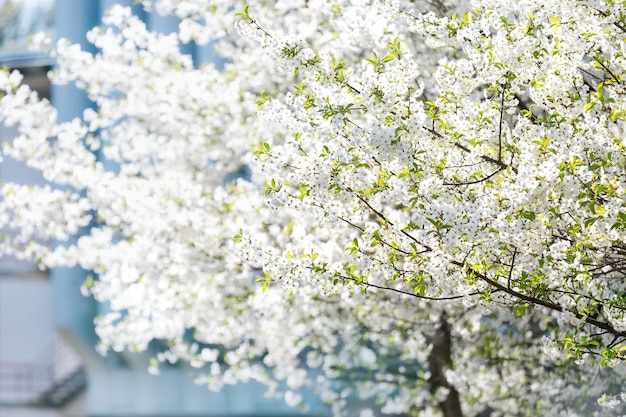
76 381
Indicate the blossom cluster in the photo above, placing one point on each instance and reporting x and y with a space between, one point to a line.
419 204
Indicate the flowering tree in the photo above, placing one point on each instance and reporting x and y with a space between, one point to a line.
416 203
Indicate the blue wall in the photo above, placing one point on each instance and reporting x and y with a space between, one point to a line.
119 385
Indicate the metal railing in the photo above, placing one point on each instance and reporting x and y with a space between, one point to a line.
22 383
49 382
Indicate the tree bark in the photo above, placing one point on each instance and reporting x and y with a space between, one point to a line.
439 360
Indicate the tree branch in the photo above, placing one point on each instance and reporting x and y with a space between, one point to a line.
423 297
536 301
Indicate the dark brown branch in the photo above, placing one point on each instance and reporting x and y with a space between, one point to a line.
500 123
508 282
351 224
590 74
439 360
422 297
354 90
456 184
607 69
575 294
382 216
537 301
464 148
498 163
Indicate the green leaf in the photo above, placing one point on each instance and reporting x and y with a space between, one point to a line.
266 279
245 13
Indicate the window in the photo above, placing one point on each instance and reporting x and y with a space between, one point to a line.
21 18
